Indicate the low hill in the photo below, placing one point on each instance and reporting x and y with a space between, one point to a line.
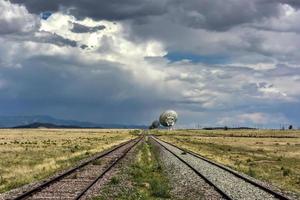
45 125
19 121
227 128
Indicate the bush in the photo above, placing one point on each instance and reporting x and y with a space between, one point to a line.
159 188
286 172
2 181
115 180
251 172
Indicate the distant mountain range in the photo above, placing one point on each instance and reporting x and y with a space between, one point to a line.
17 121
45 125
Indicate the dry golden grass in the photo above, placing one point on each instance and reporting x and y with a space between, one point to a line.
27 155
272 156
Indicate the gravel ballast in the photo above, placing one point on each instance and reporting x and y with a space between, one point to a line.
233 186
186 184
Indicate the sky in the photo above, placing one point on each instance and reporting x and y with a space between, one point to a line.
217 63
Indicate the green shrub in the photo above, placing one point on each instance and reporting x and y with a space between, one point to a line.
159 188
286 172
251 172
115 180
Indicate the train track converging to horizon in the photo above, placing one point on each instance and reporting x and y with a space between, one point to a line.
230 184
76 182
87 178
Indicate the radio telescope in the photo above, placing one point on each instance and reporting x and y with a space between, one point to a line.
168 118
155 124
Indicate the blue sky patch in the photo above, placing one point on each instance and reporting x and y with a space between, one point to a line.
45 15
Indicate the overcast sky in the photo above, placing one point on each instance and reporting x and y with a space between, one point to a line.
216 62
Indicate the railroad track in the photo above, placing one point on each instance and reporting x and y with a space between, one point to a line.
229 183
77 181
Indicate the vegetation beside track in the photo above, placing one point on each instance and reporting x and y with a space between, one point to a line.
28 155
143 179
271 156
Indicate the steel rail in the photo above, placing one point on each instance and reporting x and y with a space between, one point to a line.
70 171
107 169
260 186
220 191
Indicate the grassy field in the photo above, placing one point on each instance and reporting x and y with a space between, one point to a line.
272 156
28 155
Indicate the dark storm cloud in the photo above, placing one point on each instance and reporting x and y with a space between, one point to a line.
73 85
214 15
111 10
79 28
47 38
62 87
294 3
221 15
53 38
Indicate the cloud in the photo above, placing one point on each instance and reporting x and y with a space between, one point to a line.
212 65
53 38
108 10
293 3
79 28
227 30
56 79
16 19
219 15
256 118
287 21
213 15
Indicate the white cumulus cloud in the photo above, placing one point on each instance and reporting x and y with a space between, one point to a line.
16 19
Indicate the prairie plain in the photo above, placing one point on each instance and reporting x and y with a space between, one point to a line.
268 155
28 155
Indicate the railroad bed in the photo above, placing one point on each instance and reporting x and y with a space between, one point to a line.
229 183
77 182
